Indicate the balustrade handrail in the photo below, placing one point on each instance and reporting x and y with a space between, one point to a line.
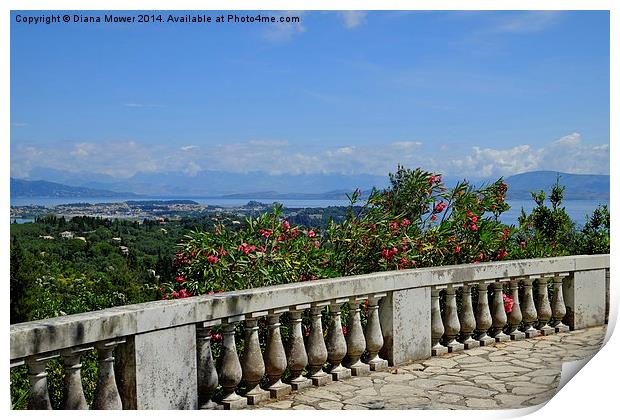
54 334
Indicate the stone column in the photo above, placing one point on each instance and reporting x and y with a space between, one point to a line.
437 328
374 336
483 316
515 316
107 396
252 363
336 343
275 358
317 351
207 373
529 309
543 307
297 356
499 313
74 394
356 343
39 397
558 309
229 367
467 319
451 322
584 296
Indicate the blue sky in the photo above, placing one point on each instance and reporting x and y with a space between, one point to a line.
465 93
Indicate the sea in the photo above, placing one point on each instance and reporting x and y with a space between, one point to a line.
576 209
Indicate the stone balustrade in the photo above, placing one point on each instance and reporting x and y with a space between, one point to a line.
162 355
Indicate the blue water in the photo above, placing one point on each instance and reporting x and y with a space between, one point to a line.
576 209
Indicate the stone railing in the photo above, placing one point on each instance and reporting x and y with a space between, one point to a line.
158 355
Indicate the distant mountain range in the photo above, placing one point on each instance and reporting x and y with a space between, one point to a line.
273 187
23 188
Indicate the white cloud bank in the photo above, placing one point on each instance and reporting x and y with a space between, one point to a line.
278 157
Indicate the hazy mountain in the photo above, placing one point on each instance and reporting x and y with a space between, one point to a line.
578 187
256 185
23 188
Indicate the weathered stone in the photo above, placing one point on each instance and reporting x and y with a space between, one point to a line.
303 407
480 403
466 390
331 405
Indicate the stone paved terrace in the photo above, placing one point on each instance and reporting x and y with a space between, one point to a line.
513 374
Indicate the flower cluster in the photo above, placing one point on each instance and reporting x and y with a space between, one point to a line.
508 303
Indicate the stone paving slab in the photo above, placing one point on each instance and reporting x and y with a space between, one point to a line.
507 375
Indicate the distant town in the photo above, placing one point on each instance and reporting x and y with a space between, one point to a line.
165 210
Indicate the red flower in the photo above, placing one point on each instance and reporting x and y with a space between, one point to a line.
457 249
344 330
261 249
474 227
405 223
252 248
265 232
502 254
394 226
474 219
439 207
311 234
286 225
180 279
433 218
212 259
469 214
175 294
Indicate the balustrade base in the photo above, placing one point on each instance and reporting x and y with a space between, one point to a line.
547 330
517 335
361 369
532 333
501 337
470 343
321 379
438 350
209 405
455 346
562 328
234 402
279 391
299 384
486 341
341 374
378 365
256 396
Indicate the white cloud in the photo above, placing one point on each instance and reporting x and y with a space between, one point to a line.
277 157
353 18
530 21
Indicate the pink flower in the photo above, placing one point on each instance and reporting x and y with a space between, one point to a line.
316 244
439 207
394 225
508 303
344 330
286 225
457 249
175 294
469 214
252 248
522 244
180 279
474 219
474 227
311 234
212 259
405 223
433 218
261 249
265 232
431 180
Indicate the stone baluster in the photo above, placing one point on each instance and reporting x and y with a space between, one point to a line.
252 363
207 373
297 356
39 398
499 313
356 343
467 319
317 351
529 309
374 335
437 328
515 316
543 307
74 398
275 357
452 325
336 343
229 368
107 396
558 308
483 316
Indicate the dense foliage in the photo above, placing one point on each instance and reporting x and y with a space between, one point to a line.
415 222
